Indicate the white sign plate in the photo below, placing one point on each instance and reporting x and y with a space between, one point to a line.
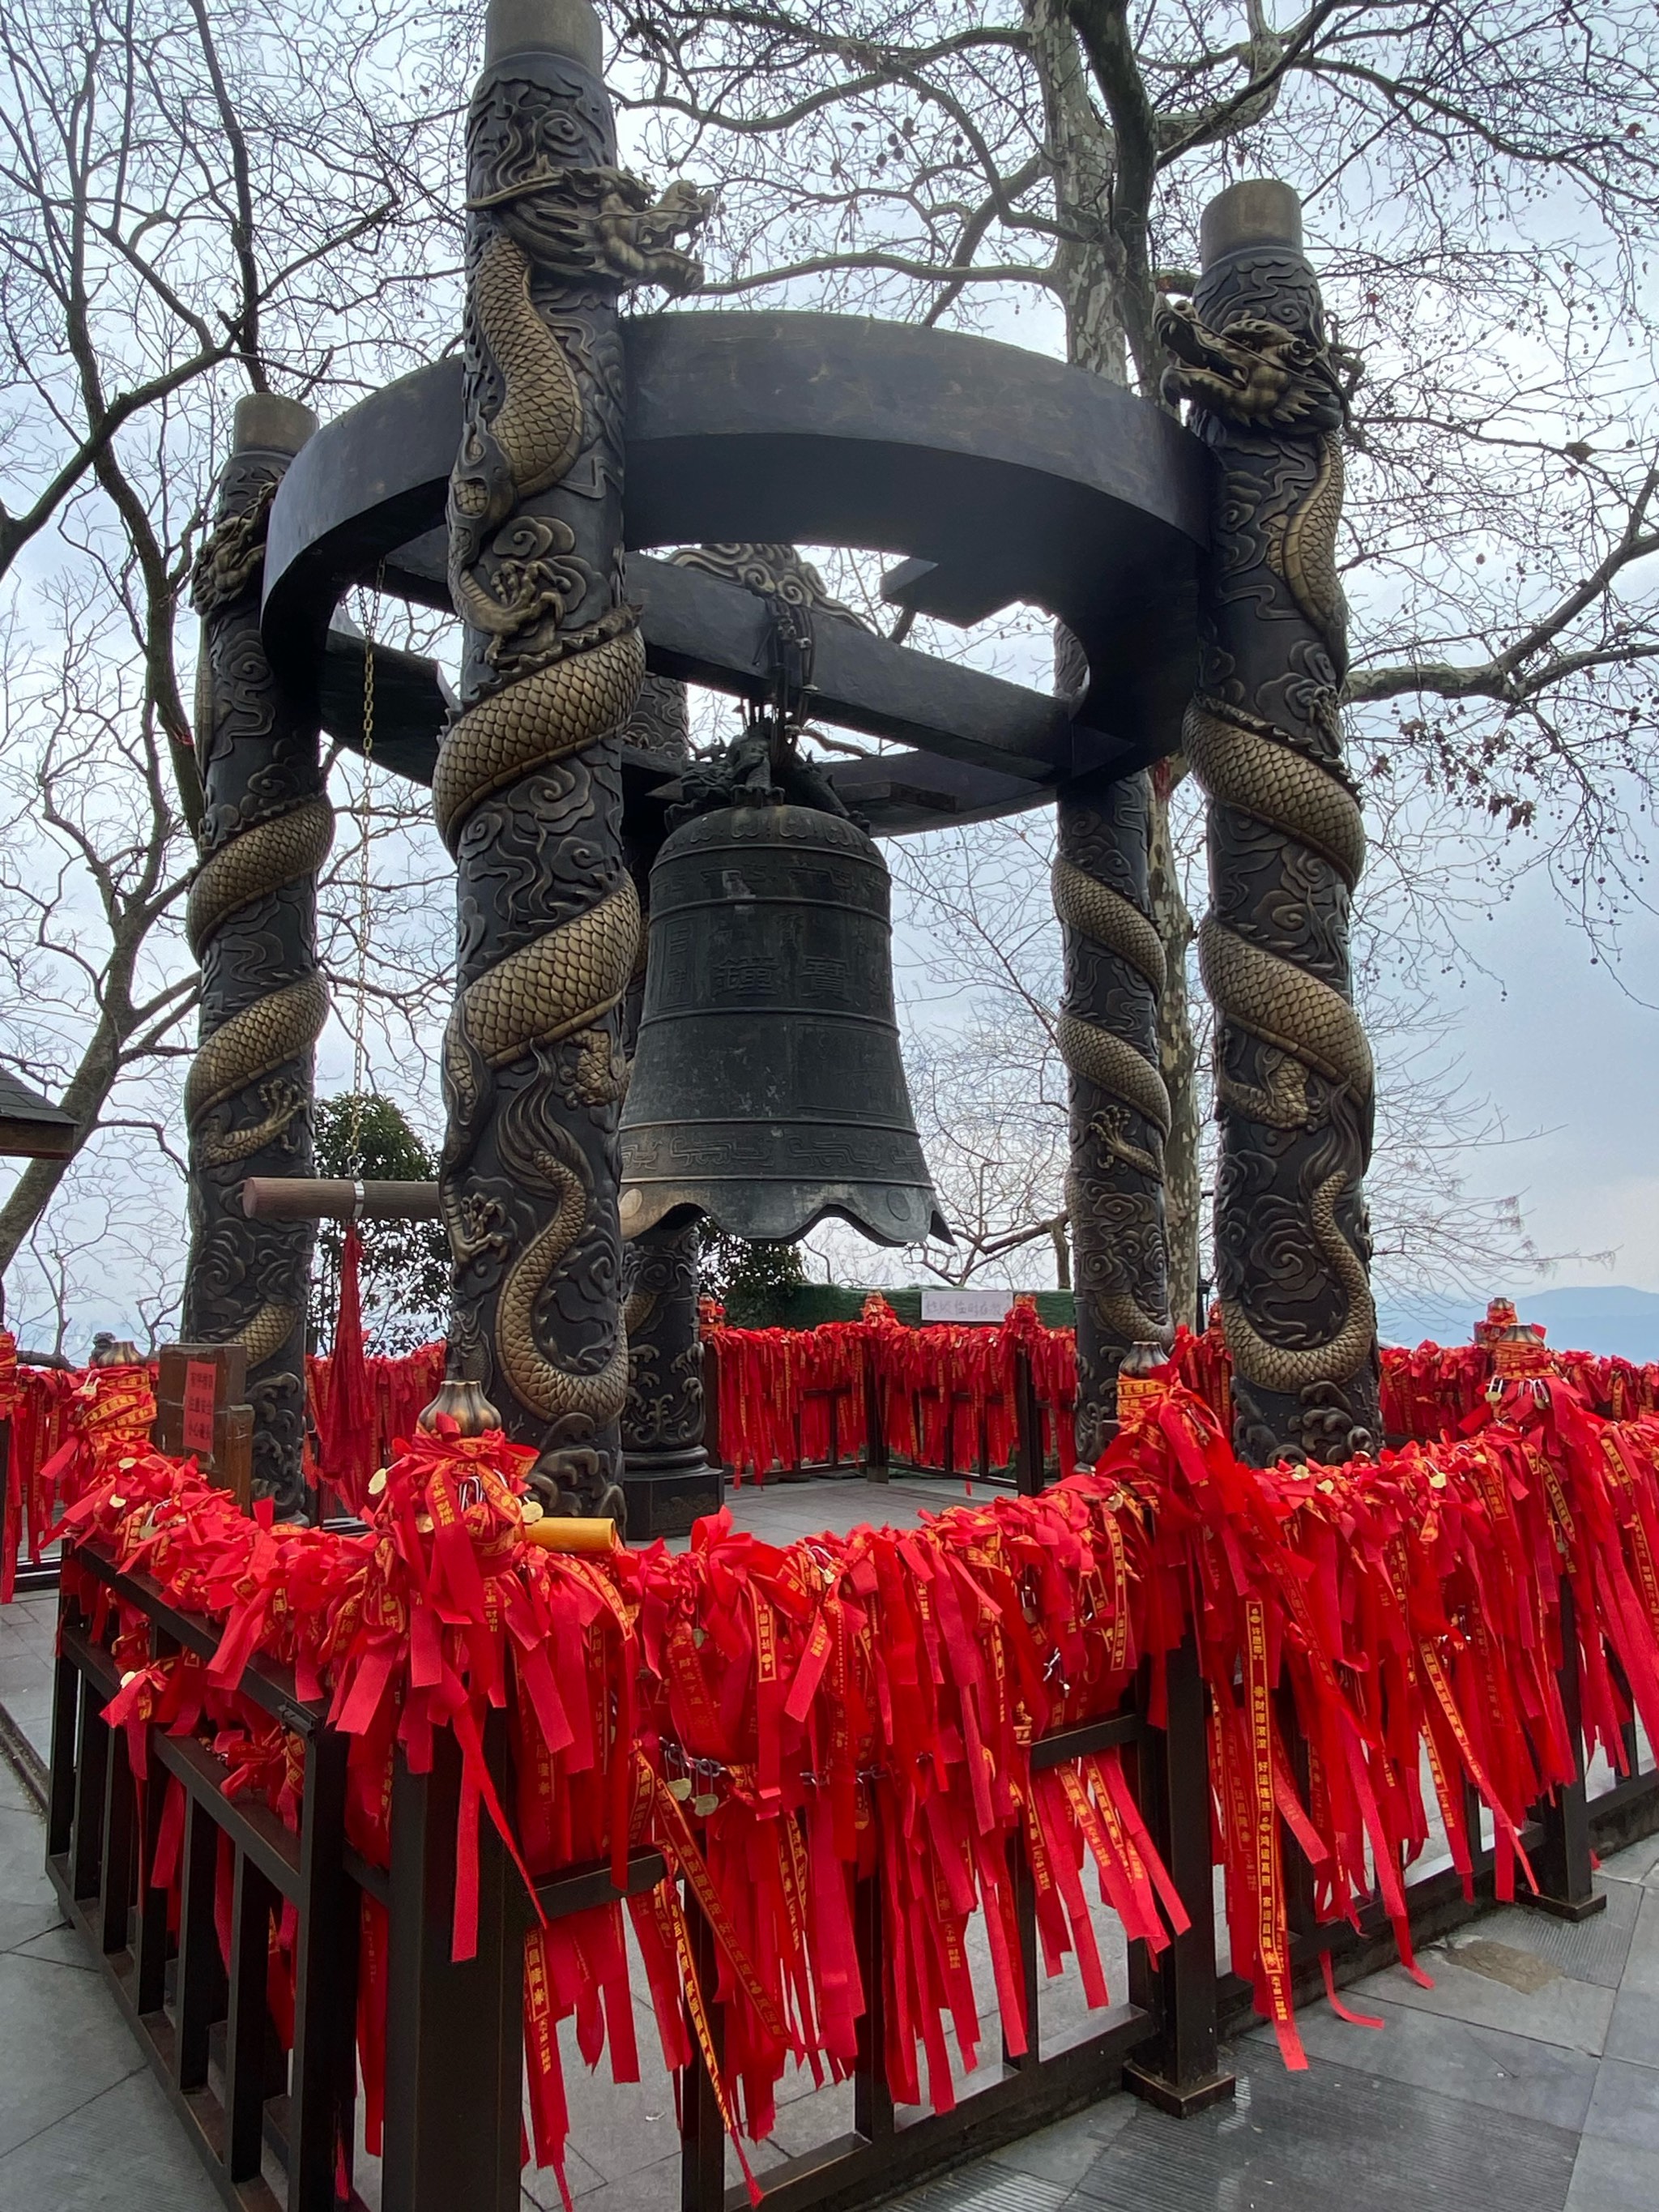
966 1305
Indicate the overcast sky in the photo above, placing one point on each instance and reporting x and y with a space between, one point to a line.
1568 1052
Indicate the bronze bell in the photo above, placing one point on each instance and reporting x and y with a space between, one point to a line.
767 1088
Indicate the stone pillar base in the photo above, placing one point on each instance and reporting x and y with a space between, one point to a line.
668 1491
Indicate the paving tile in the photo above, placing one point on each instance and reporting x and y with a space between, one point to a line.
805 2122
1331 2136
1064 2153
22 1852
1593 1950
1634 2031
654 2188
985 2187
21 1668
540 2186
618 2127
65 2043
1636 1863
1516 1969
59 1947
1608 2177
30 1710
1574 2015
121 2151
21 1924
1626 2110
28 1903
1642 1967
1455 2059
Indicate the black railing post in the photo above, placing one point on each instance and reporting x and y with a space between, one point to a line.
252 1902
877 1465
713 1449
872 2100
1566 1880
1177 2070
702 2131
1019 1871
120 1841
454 2037
87 1850
149 1994
65 1728
202 1988
1298 1875
1028 1469
324 2070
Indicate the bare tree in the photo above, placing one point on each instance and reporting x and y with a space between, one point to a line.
93 863
195 202
997 1153
1481 178
111 1258
980 969
97 990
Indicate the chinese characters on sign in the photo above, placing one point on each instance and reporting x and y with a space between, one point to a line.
201 1380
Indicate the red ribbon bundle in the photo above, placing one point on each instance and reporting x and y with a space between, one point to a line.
786 1723
1392 1606
779 1723
941 1388
360 1409
348 1451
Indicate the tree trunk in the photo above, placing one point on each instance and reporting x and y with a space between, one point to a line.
1062 1253
1088 261
1089 268
84 1098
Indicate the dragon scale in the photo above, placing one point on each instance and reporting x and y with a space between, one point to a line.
1119 1115
251 923
526 792
1294 1071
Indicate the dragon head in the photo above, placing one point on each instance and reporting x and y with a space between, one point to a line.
1255 372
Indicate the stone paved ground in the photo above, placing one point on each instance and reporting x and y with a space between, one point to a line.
1525 2081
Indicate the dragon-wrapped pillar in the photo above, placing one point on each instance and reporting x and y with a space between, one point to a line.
527 791
1120 1108
667 1478
1294 1079
251 924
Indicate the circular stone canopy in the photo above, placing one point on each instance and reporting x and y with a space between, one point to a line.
996 475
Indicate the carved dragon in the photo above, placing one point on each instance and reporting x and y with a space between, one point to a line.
1259 377
554 691
256 860
1095 1054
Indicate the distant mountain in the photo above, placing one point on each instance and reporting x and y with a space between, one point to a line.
1609 1318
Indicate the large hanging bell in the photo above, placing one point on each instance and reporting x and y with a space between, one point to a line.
767 1088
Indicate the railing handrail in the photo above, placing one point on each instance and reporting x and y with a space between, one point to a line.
266 1680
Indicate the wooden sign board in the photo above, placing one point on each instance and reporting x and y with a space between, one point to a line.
200 1412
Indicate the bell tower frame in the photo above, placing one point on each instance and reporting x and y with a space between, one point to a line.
989 475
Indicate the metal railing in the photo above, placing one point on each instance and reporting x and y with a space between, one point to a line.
858 1443
204 2023
275 2128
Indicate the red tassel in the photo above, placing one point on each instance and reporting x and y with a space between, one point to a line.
347 1436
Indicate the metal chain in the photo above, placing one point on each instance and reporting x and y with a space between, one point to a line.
370 613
